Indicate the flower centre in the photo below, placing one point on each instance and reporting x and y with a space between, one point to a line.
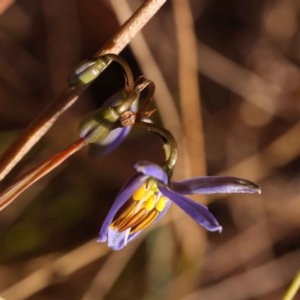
141 209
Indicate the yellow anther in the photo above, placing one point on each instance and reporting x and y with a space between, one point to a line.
147 195
139 193
161 204
150 203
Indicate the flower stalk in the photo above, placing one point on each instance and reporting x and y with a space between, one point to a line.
169 139
90 69
129 86
21 184
151 91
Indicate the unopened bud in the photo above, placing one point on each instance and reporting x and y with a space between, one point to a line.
87 71
97 125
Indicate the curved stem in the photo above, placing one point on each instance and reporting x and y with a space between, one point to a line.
140 85
150 95
171 161
124 64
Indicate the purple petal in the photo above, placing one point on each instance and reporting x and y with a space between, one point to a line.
152 170
116 240
214 184
115 99
126 192
195 210
112 141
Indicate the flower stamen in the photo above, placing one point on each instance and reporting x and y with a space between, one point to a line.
141 210
140 192
134 220
150 218
150 203
161 204
115 224
125 210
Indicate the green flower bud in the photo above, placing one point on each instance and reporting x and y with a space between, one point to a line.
97 125
87 71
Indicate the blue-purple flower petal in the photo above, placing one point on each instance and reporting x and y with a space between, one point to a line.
116 240
152 170
195 210
111 142
115 99
126 192
214 184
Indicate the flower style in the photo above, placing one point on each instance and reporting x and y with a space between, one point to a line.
148 194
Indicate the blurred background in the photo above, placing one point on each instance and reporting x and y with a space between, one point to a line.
227 76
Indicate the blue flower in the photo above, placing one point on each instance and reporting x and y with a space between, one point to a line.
148 194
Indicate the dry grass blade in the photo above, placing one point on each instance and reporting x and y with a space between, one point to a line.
57 30
224 260
273 156
13 212
220 262
253 283
59 269
191 236
239 80
68 264
227 258
190 102
110 271
5 4
13 191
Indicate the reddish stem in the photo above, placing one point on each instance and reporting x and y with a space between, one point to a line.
38 172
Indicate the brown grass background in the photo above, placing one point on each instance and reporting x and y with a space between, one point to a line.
235 111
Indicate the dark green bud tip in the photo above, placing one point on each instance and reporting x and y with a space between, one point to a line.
87 71
97 125
125 105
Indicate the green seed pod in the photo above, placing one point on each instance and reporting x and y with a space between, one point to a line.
97 125
87 71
